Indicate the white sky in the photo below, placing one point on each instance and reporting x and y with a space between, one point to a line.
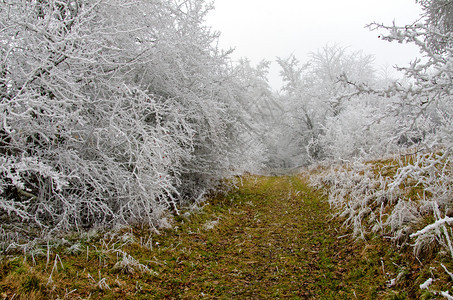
265 29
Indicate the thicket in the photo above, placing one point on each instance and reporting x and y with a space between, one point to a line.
112 112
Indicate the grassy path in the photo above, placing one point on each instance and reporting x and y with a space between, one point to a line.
272 238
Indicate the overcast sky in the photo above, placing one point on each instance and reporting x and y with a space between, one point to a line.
265 29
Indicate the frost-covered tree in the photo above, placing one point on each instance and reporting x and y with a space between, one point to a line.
439 20
258 105
313 94
302 114
111 111
426 109
331 63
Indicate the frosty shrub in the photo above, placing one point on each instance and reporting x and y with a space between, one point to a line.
360 193
111 111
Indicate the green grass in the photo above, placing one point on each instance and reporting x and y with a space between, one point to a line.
274 237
